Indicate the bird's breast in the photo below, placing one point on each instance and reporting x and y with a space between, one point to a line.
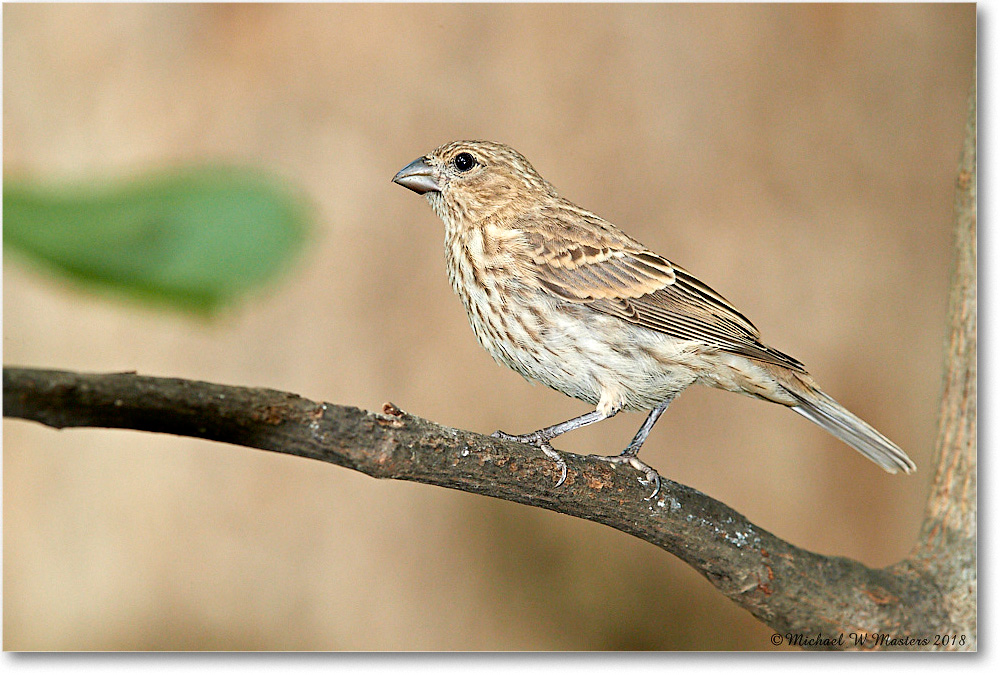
484 280
568 347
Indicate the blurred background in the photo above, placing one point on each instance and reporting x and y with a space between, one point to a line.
799 159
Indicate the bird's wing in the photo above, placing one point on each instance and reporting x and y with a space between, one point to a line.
606 272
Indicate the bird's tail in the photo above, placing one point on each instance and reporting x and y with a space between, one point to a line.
817 407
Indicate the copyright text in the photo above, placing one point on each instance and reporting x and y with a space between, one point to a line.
865 640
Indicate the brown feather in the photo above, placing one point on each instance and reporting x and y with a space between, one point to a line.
613 274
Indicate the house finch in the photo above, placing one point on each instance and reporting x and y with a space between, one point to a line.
564 297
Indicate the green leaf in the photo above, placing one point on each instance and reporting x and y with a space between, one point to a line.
193 238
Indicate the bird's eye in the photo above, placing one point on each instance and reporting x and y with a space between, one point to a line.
464 161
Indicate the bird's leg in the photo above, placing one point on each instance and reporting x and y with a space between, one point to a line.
630 455
541 438
632 450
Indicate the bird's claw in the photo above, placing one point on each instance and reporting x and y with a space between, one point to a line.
652 478
551 453
542 444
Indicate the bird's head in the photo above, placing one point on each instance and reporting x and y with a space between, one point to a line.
466 181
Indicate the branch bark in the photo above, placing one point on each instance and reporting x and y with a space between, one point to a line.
946 547
792 590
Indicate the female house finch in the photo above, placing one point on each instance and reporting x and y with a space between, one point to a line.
564 297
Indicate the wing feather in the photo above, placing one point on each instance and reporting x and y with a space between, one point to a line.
612 274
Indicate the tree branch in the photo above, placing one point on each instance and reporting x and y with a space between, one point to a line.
931 593
947 542
790 589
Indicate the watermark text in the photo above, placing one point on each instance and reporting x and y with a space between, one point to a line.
861 640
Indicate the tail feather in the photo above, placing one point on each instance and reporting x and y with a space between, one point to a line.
817 407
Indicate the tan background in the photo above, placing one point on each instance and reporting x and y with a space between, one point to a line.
800 159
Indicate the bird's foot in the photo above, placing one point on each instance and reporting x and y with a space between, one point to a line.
652 478
538 440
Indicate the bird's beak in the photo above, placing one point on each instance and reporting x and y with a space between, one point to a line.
418 176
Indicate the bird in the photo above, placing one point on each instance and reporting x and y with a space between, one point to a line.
564 297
